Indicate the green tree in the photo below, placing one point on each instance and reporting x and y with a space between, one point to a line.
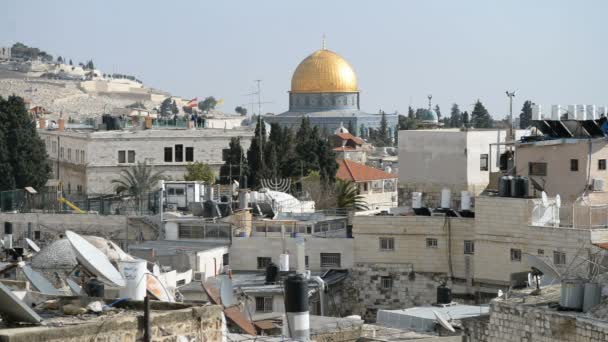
90 65
410 112
382 135
174 108
166 107
327 161
235 164
396 137
137 181
23 155
480 118
347 196
407 123
465 119
241 110
525 117
199 172
255 155
455 116
59 59
71 63
207 104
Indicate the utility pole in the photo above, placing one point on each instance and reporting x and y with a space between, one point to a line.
259 97
511 95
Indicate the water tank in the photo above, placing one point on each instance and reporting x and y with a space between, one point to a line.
518 187
446 198
272 273
444 295
572 293
465 200
416 200
504 186
134 272
388 169
556 112
284 262
592 296
94 288
296 307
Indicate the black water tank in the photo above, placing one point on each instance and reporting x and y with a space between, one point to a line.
94 288
8 228
296 294
272 273
504 186
444 295
526 186
519 187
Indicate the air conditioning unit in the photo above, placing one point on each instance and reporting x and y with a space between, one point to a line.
597 184
171 206
198 276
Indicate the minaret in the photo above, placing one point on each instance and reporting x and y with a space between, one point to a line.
430 97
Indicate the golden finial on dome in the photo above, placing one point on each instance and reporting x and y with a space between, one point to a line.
323 47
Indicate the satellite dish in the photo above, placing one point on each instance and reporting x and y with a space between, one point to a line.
226 292
500 293
94 261
12 308
543 196
443 322
77 289
158 289
550 274
40 282
558 201
32 245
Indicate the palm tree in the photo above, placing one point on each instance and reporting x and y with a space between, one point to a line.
347 196
136 181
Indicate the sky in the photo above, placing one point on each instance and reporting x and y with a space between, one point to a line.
551 52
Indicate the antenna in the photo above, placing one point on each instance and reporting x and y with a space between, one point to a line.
511 95
259 92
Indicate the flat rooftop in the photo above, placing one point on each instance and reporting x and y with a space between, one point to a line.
151 133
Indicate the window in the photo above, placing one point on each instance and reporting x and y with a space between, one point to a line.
573 164
263 262
306 262
54 146
189 154
77 155
387 244
180 191
515 254
131 155
431 243
179 153
330 260
537 169
483 162
69 154
61 153
82 156
263 304
601 164
226 259
559 258
386 282
541 252
168 154
36 235
469 247
121 157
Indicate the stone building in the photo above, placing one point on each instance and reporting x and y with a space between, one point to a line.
5 53
87 160
324 88
377 188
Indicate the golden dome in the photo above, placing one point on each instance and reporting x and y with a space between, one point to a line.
324 72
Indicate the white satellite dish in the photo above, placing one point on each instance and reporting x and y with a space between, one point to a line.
76 289
558 201
32 245
94 261
40 282
12 308
226 292
158 289
500 293
550 274
444 323
543 196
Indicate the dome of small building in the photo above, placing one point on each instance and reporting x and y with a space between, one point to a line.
341 129
429 116
324 71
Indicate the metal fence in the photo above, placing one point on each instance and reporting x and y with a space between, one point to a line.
50 202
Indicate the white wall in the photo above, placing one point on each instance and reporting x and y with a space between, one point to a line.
210 262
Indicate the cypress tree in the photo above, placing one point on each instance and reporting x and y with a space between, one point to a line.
235 163
525 117
480 118
23 156
455 116
255 156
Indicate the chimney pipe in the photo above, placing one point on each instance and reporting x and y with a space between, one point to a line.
61 124
148 122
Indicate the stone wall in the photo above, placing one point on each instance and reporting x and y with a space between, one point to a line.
206 323
522 323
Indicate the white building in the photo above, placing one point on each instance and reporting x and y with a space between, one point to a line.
86 161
